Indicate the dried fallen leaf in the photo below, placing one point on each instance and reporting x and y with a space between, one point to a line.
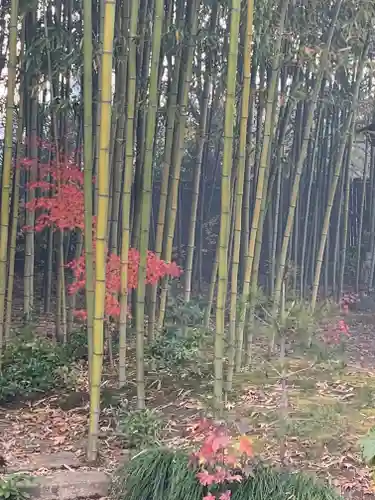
59 440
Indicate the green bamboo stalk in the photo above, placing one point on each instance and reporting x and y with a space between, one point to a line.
225 213
146 198
7 163
126 195
16 196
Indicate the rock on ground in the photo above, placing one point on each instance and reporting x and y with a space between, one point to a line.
53 461
70 485
65 480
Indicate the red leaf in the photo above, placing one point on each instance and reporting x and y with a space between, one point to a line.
62 208
245 446
220 442
232 479
205 478
225 496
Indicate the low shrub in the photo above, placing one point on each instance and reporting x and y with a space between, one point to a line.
14 487
140 428
76 348
180 347
32 366
178 351
165 474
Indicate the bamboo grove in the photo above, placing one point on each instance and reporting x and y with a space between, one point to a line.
222 136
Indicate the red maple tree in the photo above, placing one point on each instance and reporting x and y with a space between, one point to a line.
61 207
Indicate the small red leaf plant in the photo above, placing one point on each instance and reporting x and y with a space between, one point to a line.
221 460
334 333
335 330
61 207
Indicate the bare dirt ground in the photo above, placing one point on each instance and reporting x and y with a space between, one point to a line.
331 406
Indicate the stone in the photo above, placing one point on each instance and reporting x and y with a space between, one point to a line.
70 485
53 461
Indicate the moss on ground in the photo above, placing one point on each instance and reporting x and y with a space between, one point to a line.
330 407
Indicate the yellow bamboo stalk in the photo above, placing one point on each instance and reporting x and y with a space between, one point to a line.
101 232
88 184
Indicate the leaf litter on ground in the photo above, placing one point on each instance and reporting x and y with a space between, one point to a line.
325 393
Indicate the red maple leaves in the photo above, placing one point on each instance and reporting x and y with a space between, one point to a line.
62 204
61 207
61 211
217 458
156 269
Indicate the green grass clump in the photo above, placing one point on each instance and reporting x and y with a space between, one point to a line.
162 474
157 474
266 483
